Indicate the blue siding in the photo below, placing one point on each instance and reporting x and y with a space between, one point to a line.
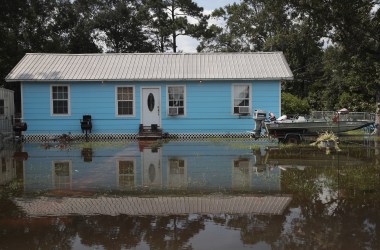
208 107
266 96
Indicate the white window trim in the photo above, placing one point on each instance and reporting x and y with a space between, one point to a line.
184 96
70 171
175 159
233 96
172 178
68 100
118 169
134 101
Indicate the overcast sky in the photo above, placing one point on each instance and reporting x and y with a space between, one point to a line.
213 4
187 44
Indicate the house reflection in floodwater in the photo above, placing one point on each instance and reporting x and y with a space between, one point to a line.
185 194
11 165
176 165
61 174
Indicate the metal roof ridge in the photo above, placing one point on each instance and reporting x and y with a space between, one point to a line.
155 53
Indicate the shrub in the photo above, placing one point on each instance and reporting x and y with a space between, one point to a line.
291 104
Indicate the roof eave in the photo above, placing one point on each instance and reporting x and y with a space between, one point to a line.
150 80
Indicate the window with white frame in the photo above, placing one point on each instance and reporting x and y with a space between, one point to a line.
241 98
60 99
176 100
125 98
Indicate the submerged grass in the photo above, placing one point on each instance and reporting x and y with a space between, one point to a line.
91 144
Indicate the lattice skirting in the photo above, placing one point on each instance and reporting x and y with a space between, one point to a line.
107 137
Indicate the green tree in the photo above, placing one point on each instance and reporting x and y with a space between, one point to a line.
267 25
291 104
351 62
333 47
120 24
159 25
81 28
11 49
243 30
58 26
171 19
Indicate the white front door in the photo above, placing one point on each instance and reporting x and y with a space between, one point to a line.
150 105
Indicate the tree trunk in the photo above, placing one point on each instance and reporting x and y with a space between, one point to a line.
173 29
162 45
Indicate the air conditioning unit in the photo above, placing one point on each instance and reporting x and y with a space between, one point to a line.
244 110
173 111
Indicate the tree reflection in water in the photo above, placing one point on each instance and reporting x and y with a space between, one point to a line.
335 205
125 232
345 222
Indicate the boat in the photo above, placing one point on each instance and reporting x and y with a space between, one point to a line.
292 128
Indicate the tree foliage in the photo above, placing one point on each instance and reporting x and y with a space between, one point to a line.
293 105
93 26
333 47
120 24
171 18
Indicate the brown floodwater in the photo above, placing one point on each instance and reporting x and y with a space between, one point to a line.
206 194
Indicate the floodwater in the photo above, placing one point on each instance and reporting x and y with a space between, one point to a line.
206 194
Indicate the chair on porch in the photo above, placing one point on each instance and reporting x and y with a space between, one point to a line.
86 123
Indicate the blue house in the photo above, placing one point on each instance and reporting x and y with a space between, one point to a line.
184 95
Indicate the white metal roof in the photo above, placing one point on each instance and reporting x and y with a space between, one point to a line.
151 66
161 205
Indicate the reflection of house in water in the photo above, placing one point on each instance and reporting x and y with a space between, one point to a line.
191 166
177 173
249 174
195 167
159 205
241 174
62 174
126 174
151 167
11 165
87 154
8 170
7 111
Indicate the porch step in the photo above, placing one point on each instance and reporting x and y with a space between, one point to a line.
149 132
